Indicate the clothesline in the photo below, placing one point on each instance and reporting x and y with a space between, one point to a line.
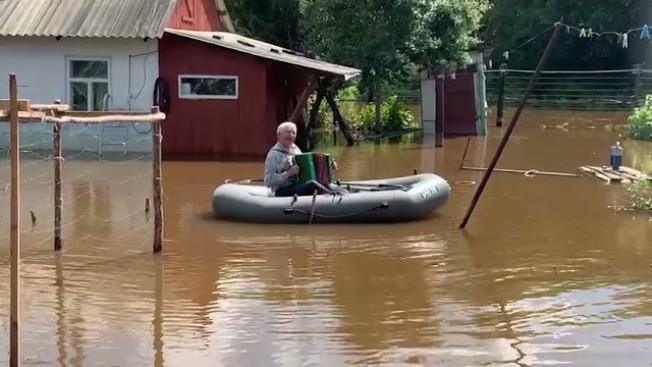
588 32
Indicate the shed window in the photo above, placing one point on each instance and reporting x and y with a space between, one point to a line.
208 87
88 83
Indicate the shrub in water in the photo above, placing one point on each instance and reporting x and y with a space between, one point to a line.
641 192
395 116
640 121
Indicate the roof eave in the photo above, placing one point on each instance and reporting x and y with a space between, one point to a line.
346 75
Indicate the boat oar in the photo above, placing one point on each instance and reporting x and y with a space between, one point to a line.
354 184
249 180
312 209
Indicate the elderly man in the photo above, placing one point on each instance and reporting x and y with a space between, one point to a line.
280 168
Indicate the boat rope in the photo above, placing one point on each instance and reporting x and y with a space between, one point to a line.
294 210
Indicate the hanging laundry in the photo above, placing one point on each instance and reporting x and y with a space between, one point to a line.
506 55
645 32
590 32
625 36
582 33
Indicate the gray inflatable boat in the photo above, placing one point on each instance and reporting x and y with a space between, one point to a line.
399 199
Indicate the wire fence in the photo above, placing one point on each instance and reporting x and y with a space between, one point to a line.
106 180
621 89
572 90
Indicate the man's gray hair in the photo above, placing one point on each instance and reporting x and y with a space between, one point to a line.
285 126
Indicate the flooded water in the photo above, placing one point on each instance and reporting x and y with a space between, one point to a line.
547 272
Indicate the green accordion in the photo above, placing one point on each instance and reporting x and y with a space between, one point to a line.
315 166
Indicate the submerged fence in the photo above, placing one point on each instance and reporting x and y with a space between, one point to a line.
572 90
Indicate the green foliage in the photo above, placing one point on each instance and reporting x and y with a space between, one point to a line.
445 30
370 35
390 40
274 21
395 116
640 121
641 192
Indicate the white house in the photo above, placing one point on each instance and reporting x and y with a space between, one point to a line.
92 55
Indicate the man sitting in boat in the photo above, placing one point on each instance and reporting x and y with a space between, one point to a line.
281 172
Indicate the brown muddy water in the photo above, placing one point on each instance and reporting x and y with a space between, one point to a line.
547 271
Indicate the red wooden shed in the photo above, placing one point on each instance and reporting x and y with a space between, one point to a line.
228 93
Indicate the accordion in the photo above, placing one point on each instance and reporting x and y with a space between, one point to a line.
315 166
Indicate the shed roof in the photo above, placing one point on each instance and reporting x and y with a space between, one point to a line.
92 18
265 50
85 18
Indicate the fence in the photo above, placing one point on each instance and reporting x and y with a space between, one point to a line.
54 118
572 90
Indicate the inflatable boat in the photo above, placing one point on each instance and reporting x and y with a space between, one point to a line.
399 199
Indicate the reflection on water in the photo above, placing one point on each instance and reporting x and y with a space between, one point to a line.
546 272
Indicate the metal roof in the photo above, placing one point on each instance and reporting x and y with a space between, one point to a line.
85 18
265 50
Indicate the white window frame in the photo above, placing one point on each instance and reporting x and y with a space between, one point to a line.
204 96
69 79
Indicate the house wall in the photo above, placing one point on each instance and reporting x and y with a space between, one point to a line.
40 67
214 128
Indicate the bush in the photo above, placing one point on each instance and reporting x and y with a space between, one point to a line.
394 115
640 122
641 192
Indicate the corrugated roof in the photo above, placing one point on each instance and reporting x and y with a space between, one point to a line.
85 18
265 50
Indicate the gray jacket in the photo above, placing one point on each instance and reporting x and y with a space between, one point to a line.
279 160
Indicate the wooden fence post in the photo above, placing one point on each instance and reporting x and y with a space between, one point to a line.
14 354
158 187
58 242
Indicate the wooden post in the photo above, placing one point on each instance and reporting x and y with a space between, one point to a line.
512 124
321 92
339 120
14 354
440 113
158 187
301 103
637 84
500 109
58 242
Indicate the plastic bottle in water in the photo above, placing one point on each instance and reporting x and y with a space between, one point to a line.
616 156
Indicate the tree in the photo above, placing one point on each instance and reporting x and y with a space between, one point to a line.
273 21
372 35
445 31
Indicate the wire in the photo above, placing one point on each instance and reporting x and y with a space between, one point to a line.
531 39
585 32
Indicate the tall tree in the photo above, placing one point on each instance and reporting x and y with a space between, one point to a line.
390 39
372 35
445 31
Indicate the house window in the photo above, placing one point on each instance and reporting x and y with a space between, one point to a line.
208 87
88 83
